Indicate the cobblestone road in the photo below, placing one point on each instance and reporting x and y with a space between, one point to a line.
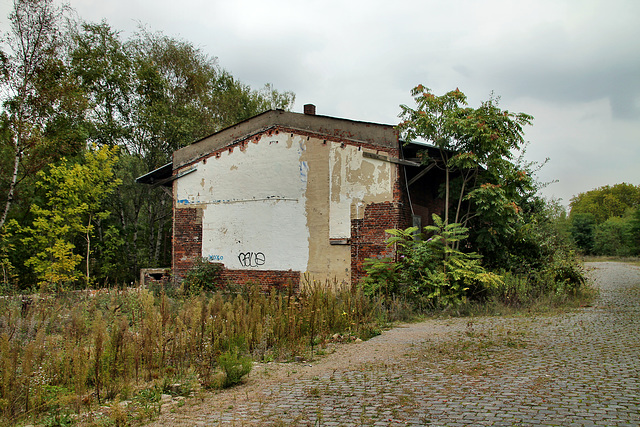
576 369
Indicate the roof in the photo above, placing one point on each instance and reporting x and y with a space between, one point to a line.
381 135
157 176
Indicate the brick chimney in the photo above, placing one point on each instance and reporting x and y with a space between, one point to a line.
310 109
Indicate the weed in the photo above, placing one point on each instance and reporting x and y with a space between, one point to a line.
234 366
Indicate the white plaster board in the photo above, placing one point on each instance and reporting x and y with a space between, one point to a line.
253 200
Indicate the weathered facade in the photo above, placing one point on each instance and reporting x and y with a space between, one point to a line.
283 194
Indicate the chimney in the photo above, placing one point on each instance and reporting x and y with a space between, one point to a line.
310 109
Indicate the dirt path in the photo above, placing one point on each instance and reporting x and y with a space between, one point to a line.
575 369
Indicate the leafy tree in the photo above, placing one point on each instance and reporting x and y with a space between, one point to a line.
487 188
75 193
42 111
470 141
105 72
614 237
606 202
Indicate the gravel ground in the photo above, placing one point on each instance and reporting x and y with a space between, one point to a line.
576 369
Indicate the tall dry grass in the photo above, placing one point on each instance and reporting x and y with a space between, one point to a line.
71 352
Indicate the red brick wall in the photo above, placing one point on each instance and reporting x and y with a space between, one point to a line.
266 278
187 240
368 235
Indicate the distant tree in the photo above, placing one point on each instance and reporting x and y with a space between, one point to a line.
583 227
606 202
614 237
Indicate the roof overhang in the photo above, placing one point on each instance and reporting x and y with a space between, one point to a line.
158 176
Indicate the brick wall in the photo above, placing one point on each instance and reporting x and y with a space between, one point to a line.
266 278
368 234
187 247
187 240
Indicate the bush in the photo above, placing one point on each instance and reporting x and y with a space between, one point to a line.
615 237
203 277
432 272
234 366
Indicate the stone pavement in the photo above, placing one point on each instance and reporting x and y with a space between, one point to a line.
576 369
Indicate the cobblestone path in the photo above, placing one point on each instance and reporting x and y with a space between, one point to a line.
576 369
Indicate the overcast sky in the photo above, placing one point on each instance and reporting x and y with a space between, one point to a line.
572 64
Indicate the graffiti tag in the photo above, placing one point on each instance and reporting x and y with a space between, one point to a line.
213 258
251 259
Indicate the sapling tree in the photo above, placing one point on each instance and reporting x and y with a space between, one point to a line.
485 182
74 198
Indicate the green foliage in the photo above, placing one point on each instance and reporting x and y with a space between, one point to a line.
476 145
234 366
204 276
582 230
41 116
432 271
74 196
382 276
606 202
604 221
615 237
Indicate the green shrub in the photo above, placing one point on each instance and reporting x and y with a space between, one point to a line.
203 277
432 272
234 366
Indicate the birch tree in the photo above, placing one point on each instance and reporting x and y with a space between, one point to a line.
36 88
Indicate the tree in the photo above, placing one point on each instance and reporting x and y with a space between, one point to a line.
42 107
582 230
74 200
614 237
105 72
470 141
606 201
485 187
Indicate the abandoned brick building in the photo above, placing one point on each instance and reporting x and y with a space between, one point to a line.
282 194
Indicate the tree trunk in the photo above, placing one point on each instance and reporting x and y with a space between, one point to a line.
88 237
12 187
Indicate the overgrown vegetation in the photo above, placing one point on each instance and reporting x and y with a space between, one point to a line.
71 353
498 241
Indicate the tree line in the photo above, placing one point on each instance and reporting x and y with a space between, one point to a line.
84 112
606 220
